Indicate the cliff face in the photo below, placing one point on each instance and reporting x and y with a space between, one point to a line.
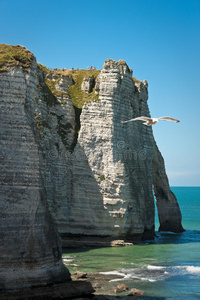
112 190
168 209
29 244
112 169
95 172
99 182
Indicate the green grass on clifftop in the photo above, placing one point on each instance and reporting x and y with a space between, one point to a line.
78 96
136 80
13 56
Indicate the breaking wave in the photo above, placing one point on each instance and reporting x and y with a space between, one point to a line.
153 273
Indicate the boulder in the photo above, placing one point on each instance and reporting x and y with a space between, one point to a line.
79 274
120 288
135 292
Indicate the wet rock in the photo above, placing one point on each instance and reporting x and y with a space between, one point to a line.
120 288
100 297
96 285
68 290
120 243
134 292
79 274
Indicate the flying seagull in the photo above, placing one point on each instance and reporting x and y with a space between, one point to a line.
152 121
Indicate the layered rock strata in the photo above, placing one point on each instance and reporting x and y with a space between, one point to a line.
29 243
98 181
112 170
168 209
111 167
112 187
88 84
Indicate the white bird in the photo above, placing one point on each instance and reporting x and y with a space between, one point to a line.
151 121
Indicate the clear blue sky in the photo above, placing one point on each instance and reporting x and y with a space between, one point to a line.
160 41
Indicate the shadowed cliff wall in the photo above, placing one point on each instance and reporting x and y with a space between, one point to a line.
29 243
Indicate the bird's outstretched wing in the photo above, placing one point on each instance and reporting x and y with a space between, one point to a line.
138 118
169 119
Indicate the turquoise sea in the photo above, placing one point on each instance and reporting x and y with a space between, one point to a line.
167 267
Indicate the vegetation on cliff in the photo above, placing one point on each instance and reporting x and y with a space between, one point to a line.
136 80
78 96
51 83
14 56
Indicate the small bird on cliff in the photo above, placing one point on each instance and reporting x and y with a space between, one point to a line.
151 121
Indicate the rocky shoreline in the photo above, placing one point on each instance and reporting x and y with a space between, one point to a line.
107 289
92 285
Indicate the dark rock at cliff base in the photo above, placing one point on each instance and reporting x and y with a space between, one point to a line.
66 290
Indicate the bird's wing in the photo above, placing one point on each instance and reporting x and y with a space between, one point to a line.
138 118
169 119
143 118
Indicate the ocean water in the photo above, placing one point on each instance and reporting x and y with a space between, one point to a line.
167 267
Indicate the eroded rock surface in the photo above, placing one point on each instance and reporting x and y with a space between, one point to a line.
112 170
88 84
29 244
168 209
97 180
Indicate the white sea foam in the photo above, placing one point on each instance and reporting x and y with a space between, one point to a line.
147 279
193 269
68 260
113 273
127 277
146 273
150 267
187 269
169 232
117 279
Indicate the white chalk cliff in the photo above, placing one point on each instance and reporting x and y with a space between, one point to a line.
112 167
98 181
29 243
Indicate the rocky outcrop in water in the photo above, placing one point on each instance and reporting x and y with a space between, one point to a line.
168 209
